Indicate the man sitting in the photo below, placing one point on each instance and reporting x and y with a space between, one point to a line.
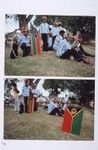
53 108
23 41
65 49
58 39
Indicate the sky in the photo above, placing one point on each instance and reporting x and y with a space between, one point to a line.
12 24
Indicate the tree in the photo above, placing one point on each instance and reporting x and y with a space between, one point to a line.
34 82
9 82
85 24
54 86
23 19
82 88
7 85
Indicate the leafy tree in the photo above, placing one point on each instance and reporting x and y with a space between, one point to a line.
9 82
7 85
23 19
84 89
54 86
85 24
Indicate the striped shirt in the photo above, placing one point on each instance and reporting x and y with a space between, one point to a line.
23 39
57 42
55 31
44 28
63 47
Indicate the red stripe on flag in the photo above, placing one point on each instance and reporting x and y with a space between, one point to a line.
38 44
67 122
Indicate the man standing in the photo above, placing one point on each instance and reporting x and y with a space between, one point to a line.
25 93
44 30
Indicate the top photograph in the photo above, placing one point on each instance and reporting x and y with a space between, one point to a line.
50 45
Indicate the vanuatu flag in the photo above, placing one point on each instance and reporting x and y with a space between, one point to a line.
72 120
31 104
36 44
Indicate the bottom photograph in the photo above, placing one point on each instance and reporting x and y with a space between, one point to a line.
49 109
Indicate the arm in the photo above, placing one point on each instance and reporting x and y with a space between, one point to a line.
75 44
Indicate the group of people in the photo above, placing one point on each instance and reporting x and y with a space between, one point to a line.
27 101
66 45
49 32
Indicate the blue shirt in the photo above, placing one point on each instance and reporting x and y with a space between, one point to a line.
55 31
49 41
57 42
26 91
63 47
44 28
24 39
51 106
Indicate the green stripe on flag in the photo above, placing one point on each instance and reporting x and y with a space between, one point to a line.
34 44
77 121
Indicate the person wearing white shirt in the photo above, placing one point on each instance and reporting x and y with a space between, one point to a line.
26 93
23 41
58 39
44 30
55 31
60 27
65 49
53 108
15 93
50 38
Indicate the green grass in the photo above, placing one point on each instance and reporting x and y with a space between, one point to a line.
48 65
41 126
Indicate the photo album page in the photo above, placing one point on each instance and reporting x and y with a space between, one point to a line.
48 75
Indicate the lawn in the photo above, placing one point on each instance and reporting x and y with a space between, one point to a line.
41 126
47 64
